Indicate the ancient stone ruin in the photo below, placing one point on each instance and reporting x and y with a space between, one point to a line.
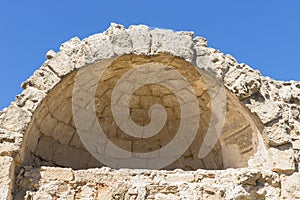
244 143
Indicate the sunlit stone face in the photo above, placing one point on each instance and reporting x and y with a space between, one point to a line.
52 138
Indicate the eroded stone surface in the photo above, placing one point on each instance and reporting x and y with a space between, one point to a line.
50 136
6 177
153 184
53 137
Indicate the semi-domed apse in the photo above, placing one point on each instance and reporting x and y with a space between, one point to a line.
52 137
151 99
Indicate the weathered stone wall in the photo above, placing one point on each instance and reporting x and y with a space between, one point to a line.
37 129
106 183
56 142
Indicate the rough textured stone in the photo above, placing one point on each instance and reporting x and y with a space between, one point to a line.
120 39
42 79
139 184
267 137
10 142
242 80
278 134
12 116
100 46
291 186
267 111
296 143
30 98
60 174
61 64
282 159
69 45
178 44
6 174
200 41
50 54
141 39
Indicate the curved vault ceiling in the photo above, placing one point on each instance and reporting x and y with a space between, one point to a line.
52 139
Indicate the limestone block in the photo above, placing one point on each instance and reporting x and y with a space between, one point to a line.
120 39
10 142
214 61
6 173
242 81
178 44
141 39
33 139
278 134
146 146
43 79
200 51
76 142
14 119
61 64
70 157
272 89
266 111
5 170
44 148
285 93
48 124
79 54
59 189
124 144
185 177
93 175
30 98
69 45
290 186
53 173
63 133
205 62
62 112
288 92
281 159
100 47
161 196
50 187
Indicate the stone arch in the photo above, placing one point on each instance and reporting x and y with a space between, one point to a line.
52 139
40 119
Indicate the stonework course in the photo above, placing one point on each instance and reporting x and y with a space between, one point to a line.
256 155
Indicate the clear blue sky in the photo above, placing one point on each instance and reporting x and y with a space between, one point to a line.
263 34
